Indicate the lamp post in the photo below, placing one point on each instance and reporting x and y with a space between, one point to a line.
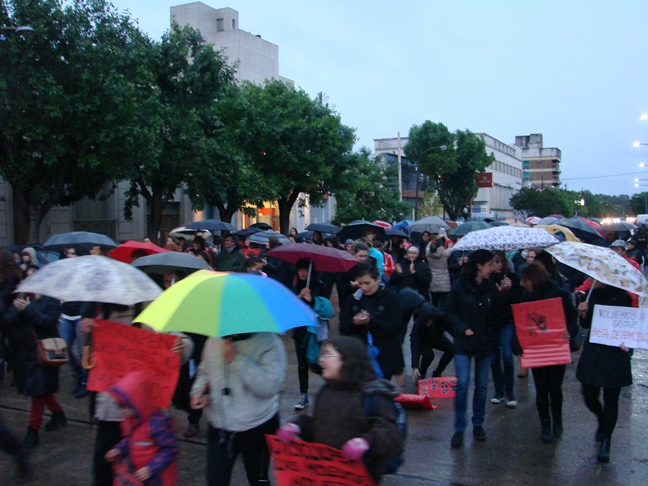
637 144
416 200
645 196
20 31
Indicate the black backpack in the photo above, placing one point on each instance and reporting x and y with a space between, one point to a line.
370 404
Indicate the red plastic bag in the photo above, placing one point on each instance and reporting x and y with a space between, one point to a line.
420 402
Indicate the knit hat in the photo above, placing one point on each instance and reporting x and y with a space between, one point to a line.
620 243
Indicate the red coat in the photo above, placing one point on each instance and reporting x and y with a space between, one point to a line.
149 435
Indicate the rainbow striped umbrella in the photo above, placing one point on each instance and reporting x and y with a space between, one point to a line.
220 304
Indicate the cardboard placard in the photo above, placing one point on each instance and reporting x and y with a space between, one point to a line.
441 387
419 402
613 326
542 332
301 463
119 349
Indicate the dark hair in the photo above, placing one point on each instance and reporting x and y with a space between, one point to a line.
359 246
251 261
367 268
356 367
537 275
547 260
274 242
378 245
479 257
9 268
500 255
200 240
303 263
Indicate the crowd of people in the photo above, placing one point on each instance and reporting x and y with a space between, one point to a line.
458 303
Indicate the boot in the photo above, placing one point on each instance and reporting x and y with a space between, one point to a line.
24 464
31 439
58 420
604 451
557 427
545 432
598 436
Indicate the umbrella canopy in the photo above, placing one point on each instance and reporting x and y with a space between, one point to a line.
187 234
469 226
402 225
395 232
384 224
323 228
580 228
124 252
210 225
602 264
498 222
554 229
262 237
171 261
303 236
92 278
533 220
506 238
358 228
324 258
559 216
79 239
262 226
548 220
244 233
221 304
619 226
431 224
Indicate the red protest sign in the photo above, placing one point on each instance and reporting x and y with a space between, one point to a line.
119 349
420 402
541 329
301 463
440 387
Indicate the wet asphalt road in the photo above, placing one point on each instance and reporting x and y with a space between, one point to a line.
512 454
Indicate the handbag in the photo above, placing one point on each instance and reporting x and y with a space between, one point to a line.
50 352
373 352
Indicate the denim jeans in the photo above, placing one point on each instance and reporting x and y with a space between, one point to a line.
503 380
462 368
69 329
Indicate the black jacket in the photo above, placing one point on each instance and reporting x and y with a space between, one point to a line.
512 296
385 325
475 307
419 280
599 364
423 336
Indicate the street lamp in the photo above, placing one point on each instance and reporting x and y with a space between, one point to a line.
20 31
636 144
416 201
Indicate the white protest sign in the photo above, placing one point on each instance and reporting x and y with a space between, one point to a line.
613 326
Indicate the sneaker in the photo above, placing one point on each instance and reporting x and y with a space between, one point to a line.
457 439
303 402
497 399
191 431
511 403
479 433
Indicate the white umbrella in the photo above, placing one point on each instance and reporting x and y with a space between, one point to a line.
602 264
92 278
506 238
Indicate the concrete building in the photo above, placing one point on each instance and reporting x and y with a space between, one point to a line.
541 166
492 202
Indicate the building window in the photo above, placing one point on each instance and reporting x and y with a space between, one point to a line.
233 24
219 25
526 164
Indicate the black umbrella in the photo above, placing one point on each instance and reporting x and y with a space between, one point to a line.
395 232
262 237
263 226
211 225
80 239
244 233
170 261
323 228
580 228
358 229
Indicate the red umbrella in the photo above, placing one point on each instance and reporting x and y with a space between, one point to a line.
384 224
126 251
323 258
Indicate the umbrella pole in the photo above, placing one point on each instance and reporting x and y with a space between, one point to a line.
589 294
310 271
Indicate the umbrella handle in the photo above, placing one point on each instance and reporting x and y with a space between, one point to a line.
310 271
589 294
87 361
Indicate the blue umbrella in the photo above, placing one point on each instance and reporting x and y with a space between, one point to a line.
402 225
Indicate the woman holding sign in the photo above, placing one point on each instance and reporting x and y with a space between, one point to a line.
602 366
548 379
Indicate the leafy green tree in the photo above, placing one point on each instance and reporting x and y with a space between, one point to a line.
452 171
191 80
639 203
615 206
298 144
75 101
532 201
370 191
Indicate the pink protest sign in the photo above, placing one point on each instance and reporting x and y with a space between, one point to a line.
441 387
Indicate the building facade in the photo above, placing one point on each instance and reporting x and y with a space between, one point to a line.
541 166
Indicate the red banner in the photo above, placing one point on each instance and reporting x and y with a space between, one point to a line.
119 349
542 332
441 387
485 179
301 463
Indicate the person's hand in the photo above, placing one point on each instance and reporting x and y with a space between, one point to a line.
178 345
229 350
624 348
21 304
355 284
399 269
469 332
400 379
143 474
412 270
112 455
288 432
87 325
354 449
416 374
582 307
361 318
306 294
199 401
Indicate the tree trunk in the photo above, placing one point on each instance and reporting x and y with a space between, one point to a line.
285 207
28 216
225 214
154 221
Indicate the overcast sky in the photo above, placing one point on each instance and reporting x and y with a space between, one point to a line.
574 70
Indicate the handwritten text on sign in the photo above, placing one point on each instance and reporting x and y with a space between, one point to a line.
613 326
310 464
119 349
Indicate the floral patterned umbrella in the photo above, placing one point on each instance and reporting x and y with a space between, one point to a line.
506 238
602 264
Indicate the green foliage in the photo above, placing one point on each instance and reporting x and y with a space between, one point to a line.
370 192
542 202
454 170
639 203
